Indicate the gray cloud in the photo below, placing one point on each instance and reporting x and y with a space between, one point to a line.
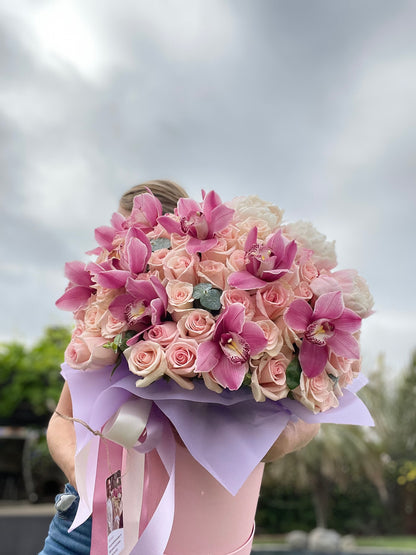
311 105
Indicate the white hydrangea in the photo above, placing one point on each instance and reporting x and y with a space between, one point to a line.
359 299
254 208
324 256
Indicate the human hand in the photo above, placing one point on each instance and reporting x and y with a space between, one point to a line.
295 436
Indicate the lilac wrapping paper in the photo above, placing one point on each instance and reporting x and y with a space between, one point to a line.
238 430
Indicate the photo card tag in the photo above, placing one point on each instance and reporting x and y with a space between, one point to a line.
114 506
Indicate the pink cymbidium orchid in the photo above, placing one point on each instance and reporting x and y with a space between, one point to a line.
327 328
144 303
79 289
106 235
131 259
146 211
234 341
199 221
264 262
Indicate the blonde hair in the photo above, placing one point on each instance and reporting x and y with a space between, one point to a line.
168 192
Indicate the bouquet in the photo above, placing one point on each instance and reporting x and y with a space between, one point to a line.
220 292
223 321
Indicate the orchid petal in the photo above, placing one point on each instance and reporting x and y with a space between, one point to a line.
207 356
74 298
349 321
104 236
344 344
245 280
228 374
211 201
255 337
159 289
277 245
77 273
170 224
158 311
312 358
195 245
112 279
220 217
324 284
273 275
231 320
118 221
329 306
298 315
96 251
290 253
118 306
251 239
188 206
149 205
137 255
140 288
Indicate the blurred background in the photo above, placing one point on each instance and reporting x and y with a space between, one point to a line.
310 105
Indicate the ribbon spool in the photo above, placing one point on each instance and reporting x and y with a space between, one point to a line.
127 425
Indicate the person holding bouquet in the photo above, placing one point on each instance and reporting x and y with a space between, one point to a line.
181 304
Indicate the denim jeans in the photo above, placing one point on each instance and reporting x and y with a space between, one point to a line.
59 541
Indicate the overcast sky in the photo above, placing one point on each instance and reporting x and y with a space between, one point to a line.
309 104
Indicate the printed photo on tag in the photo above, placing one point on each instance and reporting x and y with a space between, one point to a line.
114 505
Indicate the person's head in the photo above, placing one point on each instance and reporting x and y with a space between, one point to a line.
166 191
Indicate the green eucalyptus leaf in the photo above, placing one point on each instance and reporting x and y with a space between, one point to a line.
201 289
293 372
211 299
160 243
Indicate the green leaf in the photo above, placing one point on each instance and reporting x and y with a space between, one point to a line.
247 379
211 299
160 243
201 289
208 296
293 372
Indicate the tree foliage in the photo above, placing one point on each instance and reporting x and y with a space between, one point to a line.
30 378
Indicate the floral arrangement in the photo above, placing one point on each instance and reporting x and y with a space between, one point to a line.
220 292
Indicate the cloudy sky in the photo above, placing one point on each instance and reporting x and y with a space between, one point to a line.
310 104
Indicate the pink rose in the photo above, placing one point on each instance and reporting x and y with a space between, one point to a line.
158 232
232 296
88 353
179 295
289 337
181 266
230 234
269 378
220 253
237 261
156 261
343 370
178 241
181 357
110 326
308 270
92 317
303 291
105 296
317 394
273 335
164 333
214 272
199 324
273 299
263 228
146 359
